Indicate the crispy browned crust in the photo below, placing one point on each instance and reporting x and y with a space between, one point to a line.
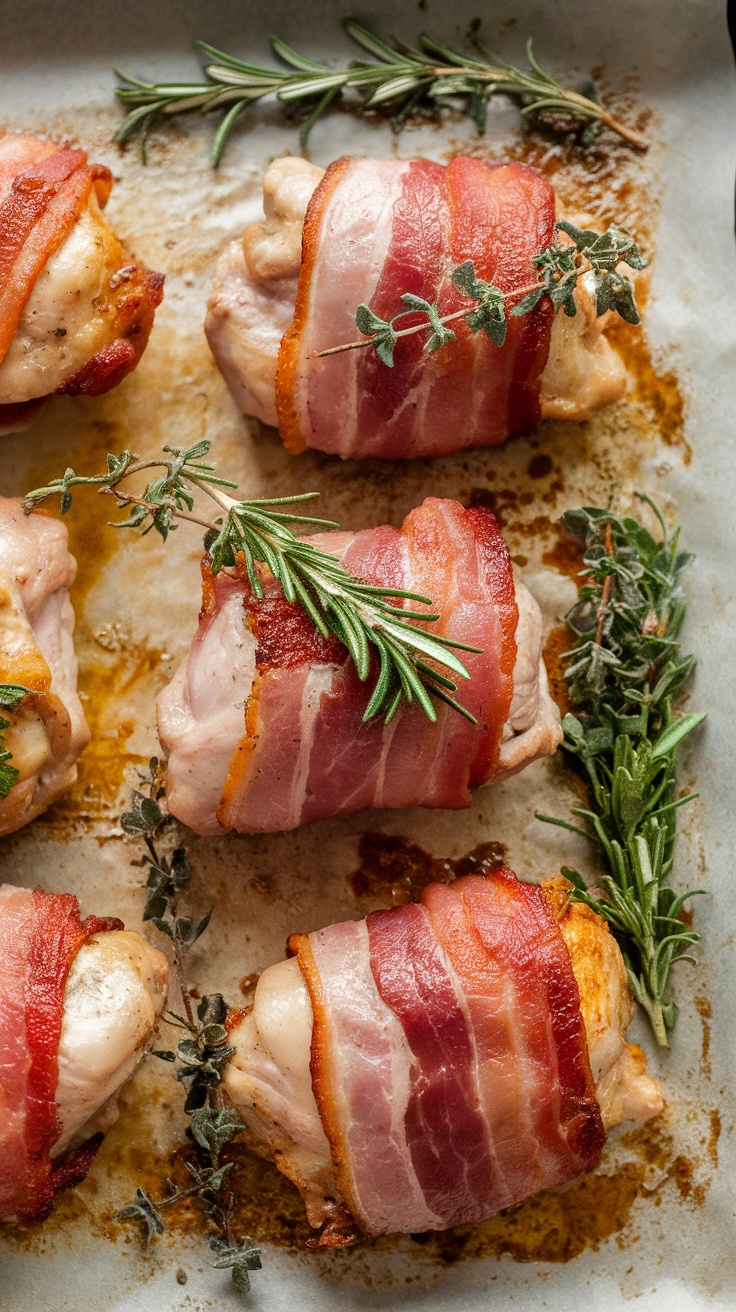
143 292
290 349
338 1231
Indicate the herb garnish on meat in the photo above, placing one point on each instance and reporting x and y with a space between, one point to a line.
411 82
625 673
381 636
558 269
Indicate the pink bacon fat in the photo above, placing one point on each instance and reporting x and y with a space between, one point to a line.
374 230
40 935
304 751
449 1058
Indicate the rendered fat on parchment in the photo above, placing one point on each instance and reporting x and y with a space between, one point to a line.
137 606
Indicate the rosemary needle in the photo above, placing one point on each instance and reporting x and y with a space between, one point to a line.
410 81
381 634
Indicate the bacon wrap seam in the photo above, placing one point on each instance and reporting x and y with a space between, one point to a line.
40 935
449 1059
375 230
306 752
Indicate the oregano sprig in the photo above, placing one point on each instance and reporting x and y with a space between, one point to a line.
384 637
625 673
199 1057
558 267
11 696
410 81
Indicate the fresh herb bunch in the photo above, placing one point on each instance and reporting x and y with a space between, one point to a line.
201 1055
371 622
11 696
410 81
624 675
558 269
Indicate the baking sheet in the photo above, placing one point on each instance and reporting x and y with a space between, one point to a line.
655 1223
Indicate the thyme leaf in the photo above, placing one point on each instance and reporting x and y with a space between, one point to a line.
200 1057
558 268
11 696
240 1258
625 673
384 637
410 81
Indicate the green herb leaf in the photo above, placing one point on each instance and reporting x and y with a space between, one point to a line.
201 1054
240 1259
213 1127
558 269
624 673
144 1210
414 82
366 620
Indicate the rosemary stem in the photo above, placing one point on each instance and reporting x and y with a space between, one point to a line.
129 499
629 134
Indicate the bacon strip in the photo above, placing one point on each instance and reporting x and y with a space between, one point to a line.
44 203
449 1059
306 752
40 934
370 1105
445 1130
374 230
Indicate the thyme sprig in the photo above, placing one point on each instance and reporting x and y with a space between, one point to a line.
201 1054
625 674
410 81
381 634
558 268
11 696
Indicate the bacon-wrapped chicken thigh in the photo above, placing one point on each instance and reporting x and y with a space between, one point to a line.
369 231
76 308
263 723
435 1063
79 1005
48 730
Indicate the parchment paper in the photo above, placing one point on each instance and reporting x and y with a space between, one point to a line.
657 1226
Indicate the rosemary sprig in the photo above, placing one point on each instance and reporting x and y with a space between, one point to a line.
558 269
11 696
625 674
201 1055
410 81
380 634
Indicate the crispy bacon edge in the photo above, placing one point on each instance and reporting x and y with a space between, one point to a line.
58 934
290 350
